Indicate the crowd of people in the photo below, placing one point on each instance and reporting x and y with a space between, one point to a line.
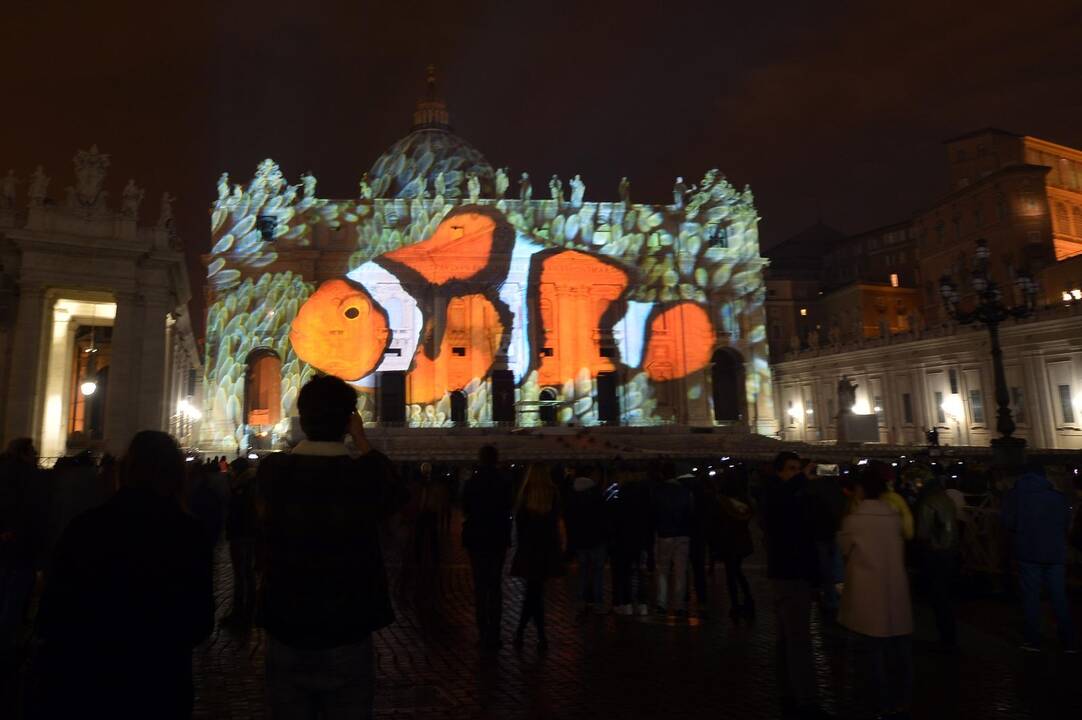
115 621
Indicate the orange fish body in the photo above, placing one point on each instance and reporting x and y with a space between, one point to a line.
490 299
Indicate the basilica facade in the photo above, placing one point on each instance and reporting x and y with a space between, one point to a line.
451 293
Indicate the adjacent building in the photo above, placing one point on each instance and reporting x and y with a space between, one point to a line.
869 306
95 338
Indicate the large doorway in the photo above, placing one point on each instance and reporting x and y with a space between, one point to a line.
608 402
459 407
727 379
547 409
263 388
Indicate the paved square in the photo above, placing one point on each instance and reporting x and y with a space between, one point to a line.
429 665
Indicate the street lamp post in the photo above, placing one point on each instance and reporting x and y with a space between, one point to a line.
990 310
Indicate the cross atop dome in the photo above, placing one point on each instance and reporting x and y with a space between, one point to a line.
431 113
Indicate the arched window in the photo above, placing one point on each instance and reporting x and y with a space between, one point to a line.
727 378
459 403
263 388
547 412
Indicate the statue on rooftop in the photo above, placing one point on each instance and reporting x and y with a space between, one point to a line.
679 191
625 190
7 193
165 217
578 191
556 189
525 189
130 199
502 182
365 188
473 187
309 182
39 186
90 166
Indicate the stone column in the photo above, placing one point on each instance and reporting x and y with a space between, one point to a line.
122 402
152 351
60 334
27 343
169 374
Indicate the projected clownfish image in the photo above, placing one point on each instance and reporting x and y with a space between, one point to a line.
476 297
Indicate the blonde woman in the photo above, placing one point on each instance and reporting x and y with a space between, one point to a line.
537 548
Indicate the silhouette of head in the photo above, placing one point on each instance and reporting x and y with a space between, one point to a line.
873 481
488 455
154 462
786 465
22 449
325 405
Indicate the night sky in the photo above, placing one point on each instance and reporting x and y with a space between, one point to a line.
826 109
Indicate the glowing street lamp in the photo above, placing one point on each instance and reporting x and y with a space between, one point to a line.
991 311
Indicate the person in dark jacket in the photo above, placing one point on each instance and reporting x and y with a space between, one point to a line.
486 533
705 516
128 598
631 539
240 531
324 587
735 545
938 541
585 522
537 551
828 506
23 513
673 508
792 568
1039 515
207 505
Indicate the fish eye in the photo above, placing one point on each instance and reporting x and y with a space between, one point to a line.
352 313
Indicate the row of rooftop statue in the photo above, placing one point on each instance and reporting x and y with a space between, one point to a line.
87 194
502 183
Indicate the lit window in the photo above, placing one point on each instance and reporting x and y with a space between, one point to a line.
803 312
894 279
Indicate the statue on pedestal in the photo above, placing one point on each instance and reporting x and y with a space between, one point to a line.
308 180
473 187
578 191
165 217
525 189
625 191
502 182
679 192
847 396
7 192
90 166
39 186
556 189
132 196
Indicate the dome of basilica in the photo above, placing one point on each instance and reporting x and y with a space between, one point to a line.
430 149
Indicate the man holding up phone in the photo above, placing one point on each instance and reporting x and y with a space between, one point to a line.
323 587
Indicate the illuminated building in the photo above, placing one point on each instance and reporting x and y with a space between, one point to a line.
94 333
877 311
452 293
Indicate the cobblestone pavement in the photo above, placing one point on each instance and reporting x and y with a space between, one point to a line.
608 666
